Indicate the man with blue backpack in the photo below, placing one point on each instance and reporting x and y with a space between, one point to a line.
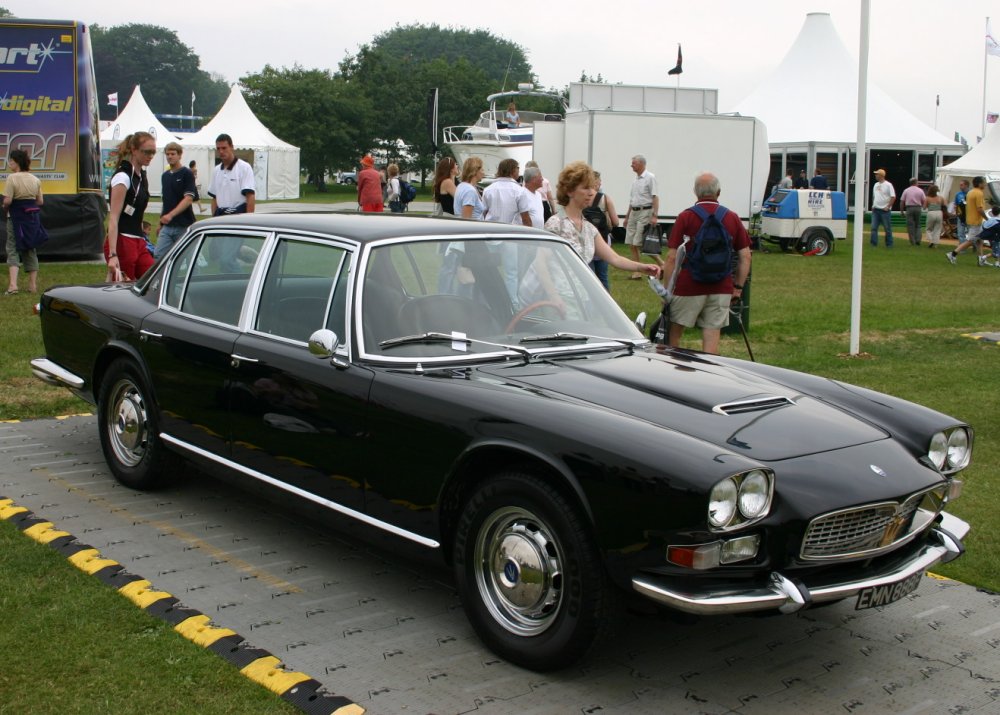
714 249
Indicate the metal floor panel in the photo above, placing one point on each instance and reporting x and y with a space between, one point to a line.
386 629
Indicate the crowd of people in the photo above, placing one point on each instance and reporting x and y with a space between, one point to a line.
577 210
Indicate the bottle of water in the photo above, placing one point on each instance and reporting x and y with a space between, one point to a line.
659 288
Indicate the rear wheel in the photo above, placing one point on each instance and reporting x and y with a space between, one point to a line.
817 242
530 577
128 429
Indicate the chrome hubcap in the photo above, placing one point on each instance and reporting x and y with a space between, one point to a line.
127 427
519 572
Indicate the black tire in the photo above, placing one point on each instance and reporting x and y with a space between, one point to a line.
126 419
546 600
817 240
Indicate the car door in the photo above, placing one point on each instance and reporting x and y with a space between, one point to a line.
294 417
188 343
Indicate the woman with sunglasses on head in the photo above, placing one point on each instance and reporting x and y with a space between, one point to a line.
125 246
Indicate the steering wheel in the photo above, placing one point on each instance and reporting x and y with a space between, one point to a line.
531 308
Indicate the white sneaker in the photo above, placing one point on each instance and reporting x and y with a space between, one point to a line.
982 260
950 255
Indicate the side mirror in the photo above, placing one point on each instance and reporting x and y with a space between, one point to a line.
323 343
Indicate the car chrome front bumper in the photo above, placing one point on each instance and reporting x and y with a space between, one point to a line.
786 595
48 371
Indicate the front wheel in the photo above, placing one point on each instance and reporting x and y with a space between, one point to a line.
817 242
128 429
531 580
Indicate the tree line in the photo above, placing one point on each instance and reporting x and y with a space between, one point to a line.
376 99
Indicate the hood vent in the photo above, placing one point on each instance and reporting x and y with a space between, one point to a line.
757 404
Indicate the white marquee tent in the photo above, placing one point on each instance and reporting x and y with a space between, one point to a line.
137 117
982 160
809 104
275 162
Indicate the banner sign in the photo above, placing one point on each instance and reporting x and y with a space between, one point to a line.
48 103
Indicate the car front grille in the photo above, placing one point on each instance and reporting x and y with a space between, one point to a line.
861 531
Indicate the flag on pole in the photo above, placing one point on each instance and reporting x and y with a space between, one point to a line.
113 99
992 46
680 59
991 117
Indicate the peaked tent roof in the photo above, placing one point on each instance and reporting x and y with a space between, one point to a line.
137 117
982 159
800 105
275 162
238 121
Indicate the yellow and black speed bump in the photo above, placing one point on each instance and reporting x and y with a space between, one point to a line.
259 665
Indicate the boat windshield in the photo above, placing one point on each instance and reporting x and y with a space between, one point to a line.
489 296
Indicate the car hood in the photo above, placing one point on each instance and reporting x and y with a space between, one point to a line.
748 414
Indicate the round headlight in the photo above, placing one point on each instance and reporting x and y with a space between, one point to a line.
958 449
755 493
938 450
722 503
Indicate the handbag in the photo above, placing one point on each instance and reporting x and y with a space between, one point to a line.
25 219
652 243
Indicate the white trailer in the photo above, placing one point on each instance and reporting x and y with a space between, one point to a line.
677 148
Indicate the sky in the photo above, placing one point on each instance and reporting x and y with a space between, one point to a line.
919 50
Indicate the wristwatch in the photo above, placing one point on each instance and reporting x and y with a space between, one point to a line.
736 287
112 255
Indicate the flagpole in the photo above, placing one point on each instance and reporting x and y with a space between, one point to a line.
860 178
982 115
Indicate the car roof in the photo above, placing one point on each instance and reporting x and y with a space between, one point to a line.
367 227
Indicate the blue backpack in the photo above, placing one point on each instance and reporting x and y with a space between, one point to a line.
407 191
710 254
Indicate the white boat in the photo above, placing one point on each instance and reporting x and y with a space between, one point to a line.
492 140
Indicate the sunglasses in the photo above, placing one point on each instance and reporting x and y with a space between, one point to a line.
147 152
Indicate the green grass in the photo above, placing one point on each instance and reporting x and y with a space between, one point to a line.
915 309
74 646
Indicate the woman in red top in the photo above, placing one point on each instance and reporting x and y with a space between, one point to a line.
369 187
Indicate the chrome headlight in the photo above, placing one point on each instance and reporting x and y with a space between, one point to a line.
740 499
938 451
722 503
951 450
755 494
959 449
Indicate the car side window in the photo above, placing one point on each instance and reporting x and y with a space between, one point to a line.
209 278
298 296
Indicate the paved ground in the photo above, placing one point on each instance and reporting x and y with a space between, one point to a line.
387 631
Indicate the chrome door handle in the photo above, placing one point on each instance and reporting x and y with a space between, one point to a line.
235 359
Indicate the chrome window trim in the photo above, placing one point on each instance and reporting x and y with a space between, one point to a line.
349 263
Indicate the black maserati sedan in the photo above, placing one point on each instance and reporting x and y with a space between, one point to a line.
472 388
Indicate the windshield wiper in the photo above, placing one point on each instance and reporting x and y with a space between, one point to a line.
567 337
448 338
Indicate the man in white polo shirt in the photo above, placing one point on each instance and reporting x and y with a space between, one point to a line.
643 208
232 188
233 191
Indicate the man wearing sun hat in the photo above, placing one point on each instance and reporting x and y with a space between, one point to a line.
883 197
369 186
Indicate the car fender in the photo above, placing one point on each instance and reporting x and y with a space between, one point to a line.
112 350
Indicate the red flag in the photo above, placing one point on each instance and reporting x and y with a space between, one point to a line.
677 69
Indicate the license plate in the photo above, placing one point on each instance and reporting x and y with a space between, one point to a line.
887 593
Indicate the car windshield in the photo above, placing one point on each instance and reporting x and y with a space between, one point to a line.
513 295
